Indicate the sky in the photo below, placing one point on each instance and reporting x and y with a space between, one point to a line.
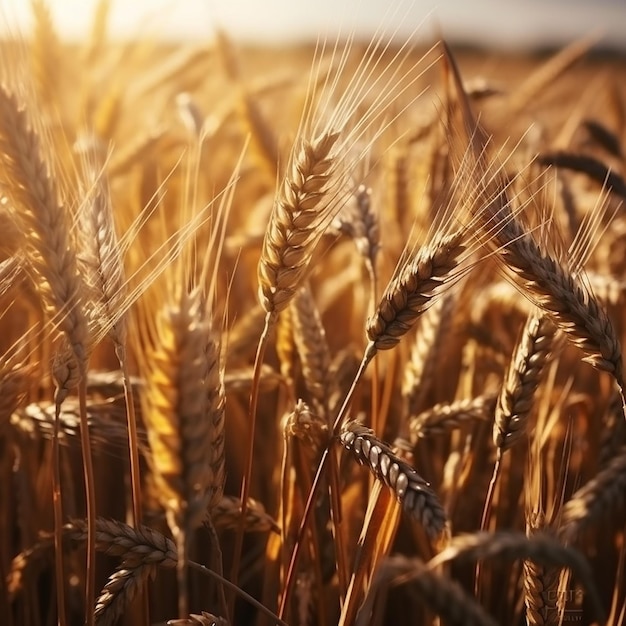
499 23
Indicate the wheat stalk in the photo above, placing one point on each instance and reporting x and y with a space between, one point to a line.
297 218
522 378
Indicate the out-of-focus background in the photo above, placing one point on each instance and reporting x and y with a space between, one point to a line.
506 24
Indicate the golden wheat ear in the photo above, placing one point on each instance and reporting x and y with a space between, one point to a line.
418 500
51 252
547 281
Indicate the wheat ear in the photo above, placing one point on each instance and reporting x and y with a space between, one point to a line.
541 584
517 394
547 281
540 548
51 254
183 406
103 260
310 339
410 489
521 381
297 221
422 365
414 288
516 397
568 301
226 513
444 417
603 493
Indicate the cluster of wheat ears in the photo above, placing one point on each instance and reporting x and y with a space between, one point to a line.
326 346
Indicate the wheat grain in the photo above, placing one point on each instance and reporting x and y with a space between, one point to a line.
521 381
295 222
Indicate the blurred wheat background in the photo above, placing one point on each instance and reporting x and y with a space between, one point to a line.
299 332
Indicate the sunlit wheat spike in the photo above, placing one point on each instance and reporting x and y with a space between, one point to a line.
99 245
410 489
595 500
445 417
31 187
183 406
412 291
562 294
295 222
521 381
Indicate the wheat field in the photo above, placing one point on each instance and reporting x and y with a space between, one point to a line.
320 335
